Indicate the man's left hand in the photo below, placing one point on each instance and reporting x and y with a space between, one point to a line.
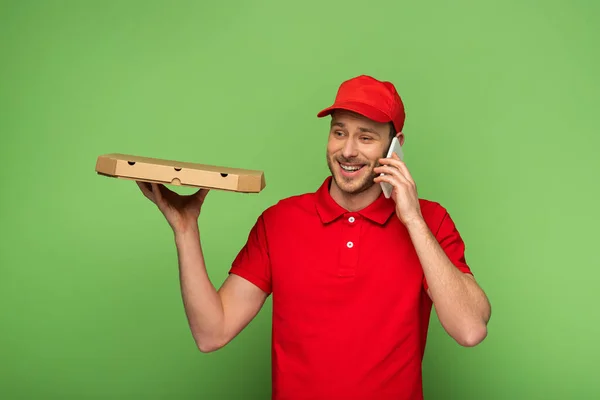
404 189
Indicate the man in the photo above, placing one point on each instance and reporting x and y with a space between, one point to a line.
353 275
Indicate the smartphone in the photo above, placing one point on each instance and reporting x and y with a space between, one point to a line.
394 148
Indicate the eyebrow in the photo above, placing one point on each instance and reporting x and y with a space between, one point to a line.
362 128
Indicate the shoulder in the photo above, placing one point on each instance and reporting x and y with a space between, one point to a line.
434 213
431 208
296 205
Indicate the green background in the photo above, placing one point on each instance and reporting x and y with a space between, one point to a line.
502 106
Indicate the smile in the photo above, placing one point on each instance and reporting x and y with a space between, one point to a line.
350 168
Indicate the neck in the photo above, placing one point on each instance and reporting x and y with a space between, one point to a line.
354 202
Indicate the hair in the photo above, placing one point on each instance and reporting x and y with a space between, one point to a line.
392 131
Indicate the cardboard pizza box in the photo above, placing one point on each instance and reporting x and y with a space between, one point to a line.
147 169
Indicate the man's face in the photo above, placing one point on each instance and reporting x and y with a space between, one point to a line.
354 147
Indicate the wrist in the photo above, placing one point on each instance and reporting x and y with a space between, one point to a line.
416 224
187 232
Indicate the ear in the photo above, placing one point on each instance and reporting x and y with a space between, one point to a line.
400 136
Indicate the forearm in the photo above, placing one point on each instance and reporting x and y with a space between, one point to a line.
462 307
203 305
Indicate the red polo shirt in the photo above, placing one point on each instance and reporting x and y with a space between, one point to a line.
350 308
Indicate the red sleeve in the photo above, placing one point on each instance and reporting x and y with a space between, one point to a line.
252 262
452 243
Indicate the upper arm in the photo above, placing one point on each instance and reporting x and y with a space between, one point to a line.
249 282
451 243
242 300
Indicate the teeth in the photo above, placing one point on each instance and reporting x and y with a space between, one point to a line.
348 168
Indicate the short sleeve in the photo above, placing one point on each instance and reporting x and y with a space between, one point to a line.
452 243
252 262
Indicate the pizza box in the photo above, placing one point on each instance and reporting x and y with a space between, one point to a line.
157 170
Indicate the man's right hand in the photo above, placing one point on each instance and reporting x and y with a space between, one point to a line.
215 317
181 211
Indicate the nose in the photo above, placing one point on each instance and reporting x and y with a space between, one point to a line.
350 149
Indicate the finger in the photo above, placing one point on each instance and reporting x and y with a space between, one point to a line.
388 170
406 172
391 162
402 166
389 179
157 193
201 194
399 164
393 183
198 197
399 183
146 190
165 192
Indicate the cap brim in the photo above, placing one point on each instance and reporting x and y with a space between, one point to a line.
359 108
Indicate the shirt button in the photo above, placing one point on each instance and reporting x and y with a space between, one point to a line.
351 219
349 244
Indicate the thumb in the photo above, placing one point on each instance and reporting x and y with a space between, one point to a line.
200 195
158 196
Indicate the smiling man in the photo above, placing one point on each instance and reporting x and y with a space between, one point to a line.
353 275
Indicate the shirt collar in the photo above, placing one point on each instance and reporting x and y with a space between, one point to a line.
378 211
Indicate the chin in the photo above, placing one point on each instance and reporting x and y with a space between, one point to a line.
354 185
351 178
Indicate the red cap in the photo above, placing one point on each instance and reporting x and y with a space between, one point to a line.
374 99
